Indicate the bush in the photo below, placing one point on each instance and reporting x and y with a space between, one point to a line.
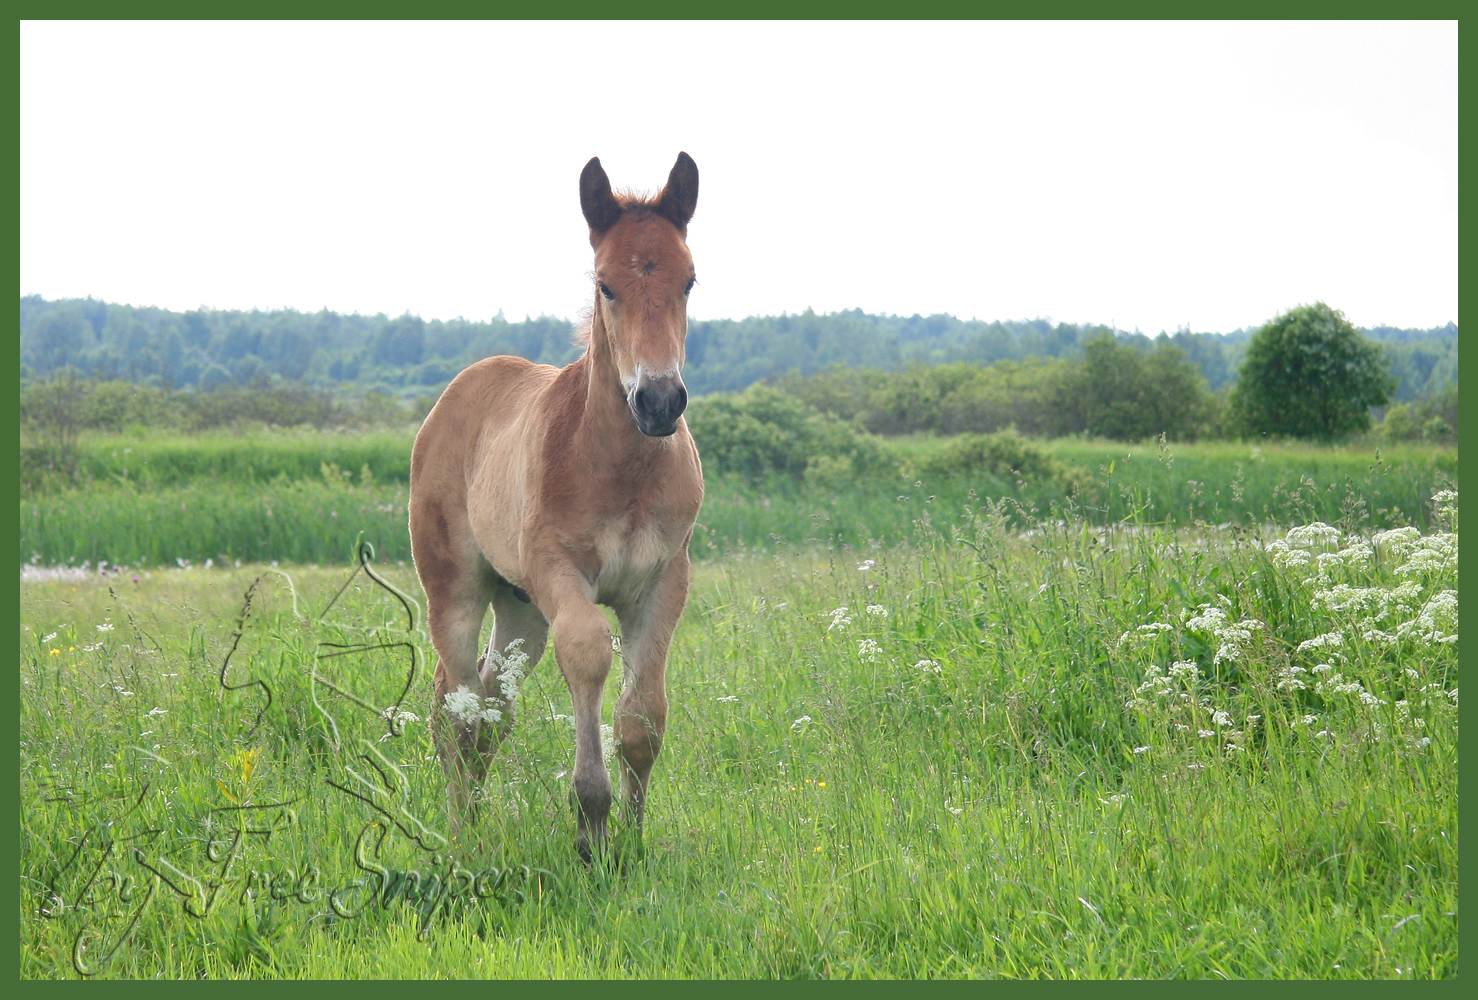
1434 421
1004 454
763 432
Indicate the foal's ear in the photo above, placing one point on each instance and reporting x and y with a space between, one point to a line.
680 197
596 201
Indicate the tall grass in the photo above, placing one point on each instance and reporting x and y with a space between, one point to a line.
944 759
306 497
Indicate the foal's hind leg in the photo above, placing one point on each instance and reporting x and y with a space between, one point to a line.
456 603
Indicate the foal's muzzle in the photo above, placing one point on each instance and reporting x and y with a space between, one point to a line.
657 403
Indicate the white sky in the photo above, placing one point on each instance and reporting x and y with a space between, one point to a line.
1149 175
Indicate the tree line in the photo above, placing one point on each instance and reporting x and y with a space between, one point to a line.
408 357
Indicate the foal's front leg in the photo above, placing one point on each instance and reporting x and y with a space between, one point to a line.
641 711
582 648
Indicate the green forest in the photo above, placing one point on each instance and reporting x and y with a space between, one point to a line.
410 358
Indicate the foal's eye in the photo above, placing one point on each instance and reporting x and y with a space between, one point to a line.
691 283
606 292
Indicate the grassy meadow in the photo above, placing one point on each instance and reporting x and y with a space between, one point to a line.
307 496
937 737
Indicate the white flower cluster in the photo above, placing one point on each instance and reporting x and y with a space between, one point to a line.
1333 682
1432 624
1431 554
512 665
1160 684
468 708
1142 632
839 618
869 651
877 611
1233 637
1316 547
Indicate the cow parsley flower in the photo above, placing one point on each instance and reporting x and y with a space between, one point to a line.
1232 636
839 618
869 650
468 708
1144 632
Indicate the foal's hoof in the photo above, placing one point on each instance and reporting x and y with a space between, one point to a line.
614 853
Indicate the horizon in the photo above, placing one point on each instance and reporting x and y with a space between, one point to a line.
1251 328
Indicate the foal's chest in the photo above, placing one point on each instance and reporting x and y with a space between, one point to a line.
631 548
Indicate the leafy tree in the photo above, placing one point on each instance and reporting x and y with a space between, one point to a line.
1116 391
1310 374
57 340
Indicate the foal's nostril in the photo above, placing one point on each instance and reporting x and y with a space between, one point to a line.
642 401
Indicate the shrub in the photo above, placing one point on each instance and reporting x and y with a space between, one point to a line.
763 432
1004 454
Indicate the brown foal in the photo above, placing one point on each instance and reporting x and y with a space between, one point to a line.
545 492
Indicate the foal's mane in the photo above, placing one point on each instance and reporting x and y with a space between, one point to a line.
636 202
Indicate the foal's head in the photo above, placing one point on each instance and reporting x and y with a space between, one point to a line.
643 275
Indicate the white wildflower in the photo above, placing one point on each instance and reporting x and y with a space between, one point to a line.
728 698
156 710
877 611
839 618
1332 640
468 708
1220 718
48 638
1141 632
511 666
106 627
800 723
1433 624
866 565
1396 542
1233 636
1141 749
394 713
1288 679
1184 668
928 665
1316 535
868 650
1431 554
1205 733
607 744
